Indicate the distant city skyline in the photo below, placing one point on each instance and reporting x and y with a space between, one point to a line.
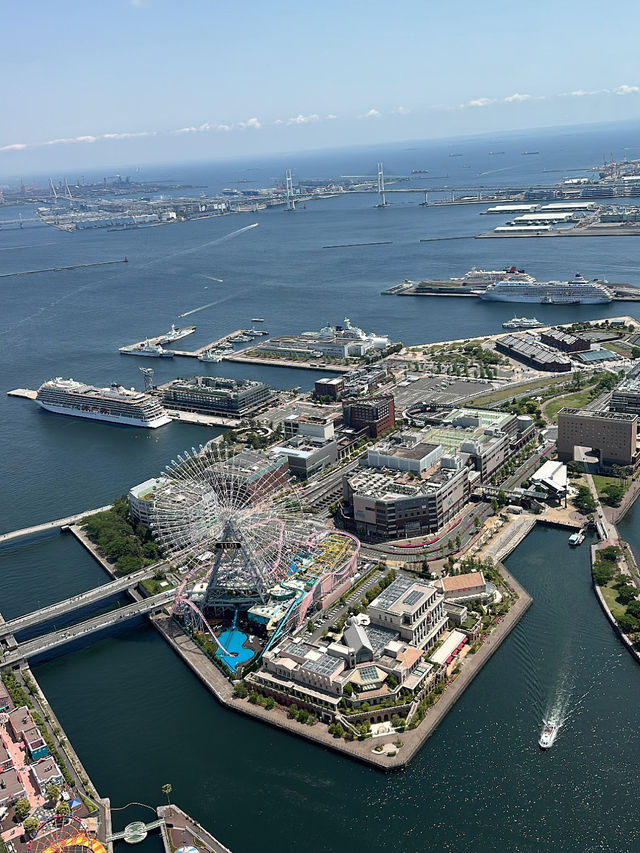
152 81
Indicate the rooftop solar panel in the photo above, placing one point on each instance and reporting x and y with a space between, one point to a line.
413 597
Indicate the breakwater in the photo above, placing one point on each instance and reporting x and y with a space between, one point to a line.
61 269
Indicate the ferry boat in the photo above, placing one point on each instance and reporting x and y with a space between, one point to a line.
146 348
578 291
175 334
549 734
210 355
576 538
522 323
115 404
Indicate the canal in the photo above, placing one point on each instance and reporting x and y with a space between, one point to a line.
138 719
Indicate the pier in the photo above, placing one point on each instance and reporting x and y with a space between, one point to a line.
49 525
160 339
31 648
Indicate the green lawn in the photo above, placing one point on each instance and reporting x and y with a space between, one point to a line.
515 390
615 607
573 401
600 482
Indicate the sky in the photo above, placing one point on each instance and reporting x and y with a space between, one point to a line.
150 81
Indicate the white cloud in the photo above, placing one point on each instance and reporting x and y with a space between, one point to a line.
16 146
331 117
300 119
372 113
401 111
479 102
516 98
627 90
250 122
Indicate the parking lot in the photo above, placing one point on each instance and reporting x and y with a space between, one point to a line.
327 618
438 389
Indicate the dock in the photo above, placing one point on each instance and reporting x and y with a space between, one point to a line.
195 352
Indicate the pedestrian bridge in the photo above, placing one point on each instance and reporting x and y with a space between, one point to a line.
31 648
91 596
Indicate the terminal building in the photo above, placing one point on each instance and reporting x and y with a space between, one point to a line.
216 395
612 434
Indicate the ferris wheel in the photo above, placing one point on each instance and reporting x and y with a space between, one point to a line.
238 529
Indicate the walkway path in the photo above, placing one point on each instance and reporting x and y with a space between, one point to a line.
49 525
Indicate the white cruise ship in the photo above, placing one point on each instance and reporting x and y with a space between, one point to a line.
480 278
578 291
115 404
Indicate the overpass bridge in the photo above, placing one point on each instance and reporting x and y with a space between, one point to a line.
91 596
30 648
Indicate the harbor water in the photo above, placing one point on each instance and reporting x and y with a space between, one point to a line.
136 715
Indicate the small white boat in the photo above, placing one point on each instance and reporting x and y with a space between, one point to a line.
257 319
549 734
210 355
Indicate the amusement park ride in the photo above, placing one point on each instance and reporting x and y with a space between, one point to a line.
248 547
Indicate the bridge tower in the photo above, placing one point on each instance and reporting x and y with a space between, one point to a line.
381 192
291 202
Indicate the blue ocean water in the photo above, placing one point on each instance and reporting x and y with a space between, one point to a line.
71 323
136 715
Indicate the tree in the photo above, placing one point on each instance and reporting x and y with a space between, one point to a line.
22 807
614 493
303 715
240 690
53 793
633 609
63 808
602 573
167 788
477 523
30 825
269 703
584 500
626 594
627 623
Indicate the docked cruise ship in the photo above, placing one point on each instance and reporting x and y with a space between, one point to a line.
578 291
115 404
480 278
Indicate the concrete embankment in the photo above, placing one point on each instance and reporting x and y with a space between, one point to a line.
179 831
361 751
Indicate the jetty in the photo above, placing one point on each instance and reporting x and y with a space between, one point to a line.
59 523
